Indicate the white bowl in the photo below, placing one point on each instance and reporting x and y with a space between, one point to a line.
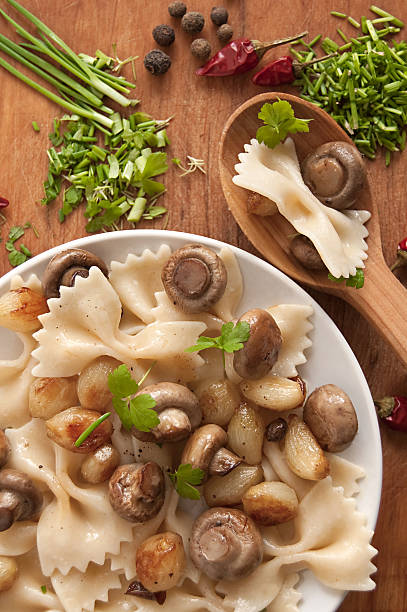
330 359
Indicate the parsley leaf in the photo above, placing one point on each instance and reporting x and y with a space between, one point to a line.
133 412
15 256
280 121
184 478
357 280
230 340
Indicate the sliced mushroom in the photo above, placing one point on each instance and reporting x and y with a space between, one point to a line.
4 448
330 415
65 428
99 465
225 544
260 351
303 249
137 491
178 409
194 278
64 267
335 173
20 499
204 450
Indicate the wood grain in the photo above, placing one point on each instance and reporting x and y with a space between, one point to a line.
201 107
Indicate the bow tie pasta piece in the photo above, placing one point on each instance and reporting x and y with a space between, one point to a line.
288 597
78 591
338 237
292 319
226 307
138 279
20 538
332 539
84 323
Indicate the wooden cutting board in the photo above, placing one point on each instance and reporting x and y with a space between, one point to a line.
196 204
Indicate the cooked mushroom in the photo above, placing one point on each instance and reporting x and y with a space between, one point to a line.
20 499
4 448
48 396
8 573
204 450
178 409
160 561
99 465
225 544
330 415
303 249
65 428
260 205
194 278
137 491
93 389
335 173
260 351
64 267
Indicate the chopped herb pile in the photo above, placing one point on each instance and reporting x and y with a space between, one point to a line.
279 122
184 479
133 411
363 87
357 280
230 340
115 179
17 256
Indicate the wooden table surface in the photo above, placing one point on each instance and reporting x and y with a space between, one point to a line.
196 203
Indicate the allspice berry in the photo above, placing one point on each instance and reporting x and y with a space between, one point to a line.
192 22
177 9
201 48
157 62
164 35
219 15
224 33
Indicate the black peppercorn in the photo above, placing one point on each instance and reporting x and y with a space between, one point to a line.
276 430
201 48
224 33
192 22
219 15
157 62
164 35
177 9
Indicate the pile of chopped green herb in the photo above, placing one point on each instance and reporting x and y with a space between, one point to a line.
114 177
364 86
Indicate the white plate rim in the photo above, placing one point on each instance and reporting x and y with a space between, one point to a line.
333 598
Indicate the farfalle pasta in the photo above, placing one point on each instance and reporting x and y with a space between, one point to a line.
79 554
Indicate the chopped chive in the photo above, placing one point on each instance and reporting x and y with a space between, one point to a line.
342 35
353 22
85 434
43 589
337 14
315 40
372 30
35 126
382 13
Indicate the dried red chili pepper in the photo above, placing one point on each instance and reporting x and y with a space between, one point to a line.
401 259
3 202
239 56
393 410
284 70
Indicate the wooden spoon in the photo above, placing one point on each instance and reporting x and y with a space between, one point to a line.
383 299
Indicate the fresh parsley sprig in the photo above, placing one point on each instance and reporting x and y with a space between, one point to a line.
231 339
357 280
280 121
133 411
184 479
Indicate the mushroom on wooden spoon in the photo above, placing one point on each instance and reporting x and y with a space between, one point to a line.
382 299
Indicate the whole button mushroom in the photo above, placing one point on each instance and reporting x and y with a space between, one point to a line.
64 267
260 351
194 278
225 544
330 415
20 500
178 410
137 491
4 448
303 249
335 173
205 450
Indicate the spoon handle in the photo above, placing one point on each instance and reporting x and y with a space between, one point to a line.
383 302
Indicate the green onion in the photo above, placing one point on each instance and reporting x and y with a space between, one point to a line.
382 13
85 434
337 14
36 127
353 22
